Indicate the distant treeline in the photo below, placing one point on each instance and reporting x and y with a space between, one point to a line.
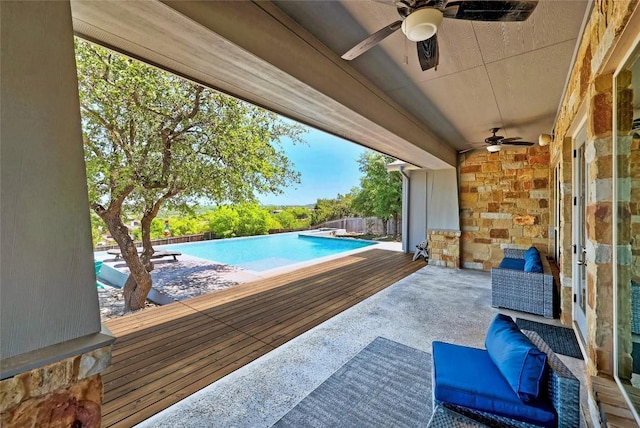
224 222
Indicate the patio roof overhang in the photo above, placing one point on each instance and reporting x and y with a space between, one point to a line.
285 56
254 51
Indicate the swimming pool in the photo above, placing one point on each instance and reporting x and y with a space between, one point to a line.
260 253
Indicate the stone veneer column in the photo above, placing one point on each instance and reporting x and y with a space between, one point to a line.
599 218
52 345
444 248
66 393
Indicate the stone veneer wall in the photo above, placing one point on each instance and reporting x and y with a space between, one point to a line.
444 248
504 203
67 393
590 89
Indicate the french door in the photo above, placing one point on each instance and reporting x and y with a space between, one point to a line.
580 202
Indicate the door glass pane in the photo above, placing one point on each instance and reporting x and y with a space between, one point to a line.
627 235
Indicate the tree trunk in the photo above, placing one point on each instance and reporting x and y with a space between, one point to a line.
147 249
138 283
395 225
385 231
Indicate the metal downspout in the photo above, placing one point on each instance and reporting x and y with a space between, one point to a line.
405 209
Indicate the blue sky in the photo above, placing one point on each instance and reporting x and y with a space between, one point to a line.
328 167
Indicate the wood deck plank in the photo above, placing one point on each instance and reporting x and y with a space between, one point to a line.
163 354
285 295
141 382
180 393
167 350
612 405
180 381
172 330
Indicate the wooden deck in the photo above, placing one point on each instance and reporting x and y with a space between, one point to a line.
614 410
164 354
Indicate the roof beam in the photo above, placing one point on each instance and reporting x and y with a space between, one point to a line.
254 51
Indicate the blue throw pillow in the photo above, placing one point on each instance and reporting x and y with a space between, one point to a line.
532 262
521 363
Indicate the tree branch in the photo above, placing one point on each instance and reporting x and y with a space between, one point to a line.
112 131
138 103
194 111
91 147
116 203
196 104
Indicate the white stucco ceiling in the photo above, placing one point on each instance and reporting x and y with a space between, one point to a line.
285 56
491 74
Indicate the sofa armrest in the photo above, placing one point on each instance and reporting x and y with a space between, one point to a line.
563 388
514 253
523 291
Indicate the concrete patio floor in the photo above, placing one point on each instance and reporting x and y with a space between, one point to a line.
432 304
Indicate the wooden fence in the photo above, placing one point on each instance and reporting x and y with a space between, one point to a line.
369 225
164 241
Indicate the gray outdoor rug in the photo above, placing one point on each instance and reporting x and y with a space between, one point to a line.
387 384
561 340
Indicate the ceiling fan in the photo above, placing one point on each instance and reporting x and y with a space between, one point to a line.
419 20
495 142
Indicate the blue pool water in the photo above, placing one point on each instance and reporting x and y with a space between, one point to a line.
261 253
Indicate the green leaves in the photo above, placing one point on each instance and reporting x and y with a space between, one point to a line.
152 138
381 191
333 209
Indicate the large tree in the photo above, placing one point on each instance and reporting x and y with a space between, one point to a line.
154 139
380 192
332 209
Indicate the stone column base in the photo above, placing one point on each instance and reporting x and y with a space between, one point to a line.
444 248
66 393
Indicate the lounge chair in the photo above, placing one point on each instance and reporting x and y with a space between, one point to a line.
524 282
422 250
97 265
156 255
517 381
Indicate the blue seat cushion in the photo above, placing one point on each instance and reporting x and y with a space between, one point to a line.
521 363
467 377
514 264
532 261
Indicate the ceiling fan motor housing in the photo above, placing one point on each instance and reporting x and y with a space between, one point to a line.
422 24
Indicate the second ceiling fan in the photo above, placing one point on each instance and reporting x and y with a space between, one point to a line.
495 142
419 20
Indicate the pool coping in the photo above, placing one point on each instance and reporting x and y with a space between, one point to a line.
114 273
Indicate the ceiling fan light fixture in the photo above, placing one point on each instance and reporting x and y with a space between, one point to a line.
494 148
422 24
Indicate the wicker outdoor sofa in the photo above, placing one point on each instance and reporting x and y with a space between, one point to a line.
468 382
513 288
